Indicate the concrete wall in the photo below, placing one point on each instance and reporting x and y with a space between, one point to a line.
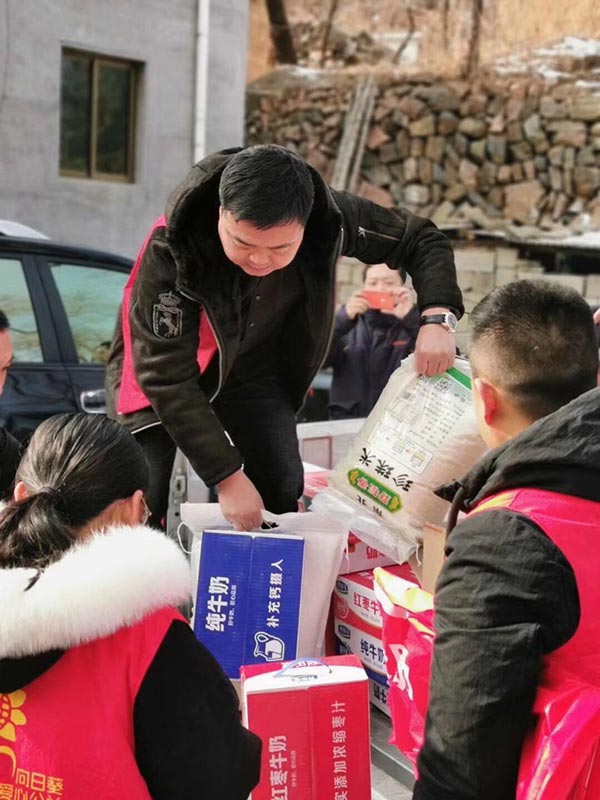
220 96
109 215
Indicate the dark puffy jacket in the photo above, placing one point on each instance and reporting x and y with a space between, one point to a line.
507 597
185 257
364 352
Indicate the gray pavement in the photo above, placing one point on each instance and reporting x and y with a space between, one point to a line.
387 788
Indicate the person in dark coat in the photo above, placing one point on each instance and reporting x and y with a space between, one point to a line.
10 449
227 316
104 689
517 599
368 344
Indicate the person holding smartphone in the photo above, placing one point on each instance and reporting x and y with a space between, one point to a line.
373 332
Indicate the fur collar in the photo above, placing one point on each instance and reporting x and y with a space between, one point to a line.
111 580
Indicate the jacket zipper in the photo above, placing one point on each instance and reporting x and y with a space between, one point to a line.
362 234
324 351
213 327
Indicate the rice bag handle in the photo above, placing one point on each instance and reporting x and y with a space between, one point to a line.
302 662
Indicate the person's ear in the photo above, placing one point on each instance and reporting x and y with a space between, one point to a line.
133 509
490 400
20 492
127 511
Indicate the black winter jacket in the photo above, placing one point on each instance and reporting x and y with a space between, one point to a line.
186 257
364 352
506 596
10 454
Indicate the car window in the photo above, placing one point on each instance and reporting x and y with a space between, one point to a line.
15 301
91 297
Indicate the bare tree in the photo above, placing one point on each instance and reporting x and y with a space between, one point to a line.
445 15
333 6
411 30
281 33
472 60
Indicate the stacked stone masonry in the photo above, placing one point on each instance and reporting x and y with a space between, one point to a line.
492 152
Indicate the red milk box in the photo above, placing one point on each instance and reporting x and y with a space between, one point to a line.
361 556
313 719
354 595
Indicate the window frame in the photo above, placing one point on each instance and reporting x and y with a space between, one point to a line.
97 61
66 340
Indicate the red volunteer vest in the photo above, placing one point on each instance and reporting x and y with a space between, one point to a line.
560 754
69 734
131 397
573 525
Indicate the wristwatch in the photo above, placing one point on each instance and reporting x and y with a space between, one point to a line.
448 321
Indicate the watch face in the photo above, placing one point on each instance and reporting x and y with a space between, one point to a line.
451 321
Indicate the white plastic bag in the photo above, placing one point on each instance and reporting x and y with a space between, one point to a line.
325 540
422 433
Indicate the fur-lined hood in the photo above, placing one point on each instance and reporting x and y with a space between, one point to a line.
111 580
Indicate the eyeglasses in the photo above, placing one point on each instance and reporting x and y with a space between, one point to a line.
147 512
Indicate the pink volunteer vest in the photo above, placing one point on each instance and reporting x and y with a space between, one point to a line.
573 525
131 397
70 732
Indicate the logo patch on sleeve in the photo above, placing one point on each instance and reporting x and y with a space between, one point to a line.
167 317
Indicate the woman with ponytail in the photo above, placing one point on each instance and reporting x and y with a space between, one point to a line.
104 690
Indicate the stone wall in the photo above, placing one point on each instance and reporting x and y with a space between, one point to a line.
493 152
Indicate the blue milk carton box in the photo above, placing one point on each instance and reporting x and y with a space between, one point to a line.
248 597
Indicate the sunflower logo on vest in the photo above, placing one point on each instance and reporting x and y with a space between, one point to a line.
11 715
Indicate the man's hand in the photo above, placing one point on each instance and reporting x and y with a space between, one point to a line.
356 305
597 316
435 350
240 503
404 303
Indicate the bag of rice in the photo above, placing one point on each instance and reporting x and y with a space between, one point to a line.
422 433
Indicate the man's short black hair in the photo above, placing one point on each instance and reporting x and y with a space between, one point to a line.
267 185
4 323
536 340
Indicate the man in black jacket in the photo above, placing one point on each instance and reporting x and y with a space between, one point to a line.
227 316
9 447
516 595
368 343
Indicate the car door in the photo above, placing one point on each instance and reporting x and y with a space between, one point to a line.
37 385
84 297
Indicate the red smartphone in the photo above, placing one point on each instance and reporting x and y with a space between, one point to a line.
384 301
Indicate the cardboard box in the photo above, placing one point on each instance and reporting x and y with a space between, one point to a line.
364 641
378 684
355 594
361 556
434 543
248 597
313 719
315 480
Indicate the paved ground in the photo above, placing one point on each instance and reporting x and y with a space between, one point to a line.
386 788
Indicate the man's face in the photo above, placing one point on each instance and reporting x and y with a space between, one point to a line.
258 252
6 356
380 278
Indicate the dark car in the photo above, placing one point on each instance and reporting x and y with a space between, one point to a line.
62 303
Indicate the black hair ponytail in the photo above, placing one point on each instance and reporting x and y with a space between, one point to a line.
75 466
